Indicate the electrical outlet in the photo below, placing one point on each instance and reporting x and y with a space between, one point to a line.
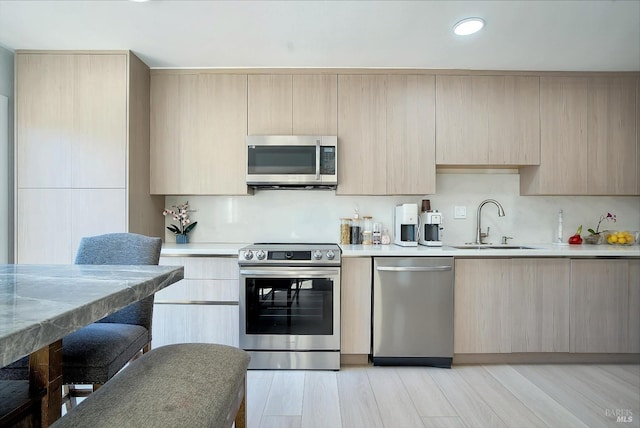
460 212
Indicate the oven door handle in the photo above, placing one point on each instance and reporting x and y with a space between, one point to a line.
291 273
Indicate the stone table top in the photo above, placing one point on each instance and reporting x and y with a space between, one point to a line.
40 304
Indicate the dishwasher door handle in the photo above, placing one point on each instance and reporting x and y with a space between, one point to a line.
414 268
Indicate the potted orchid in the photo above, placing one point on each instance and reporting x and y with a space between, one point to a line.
180 213
595 236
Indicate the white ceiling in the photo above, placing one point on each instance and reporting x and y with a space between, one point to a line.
598 35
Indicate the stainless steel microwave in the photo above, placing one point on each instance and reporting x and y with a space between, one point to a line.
290 161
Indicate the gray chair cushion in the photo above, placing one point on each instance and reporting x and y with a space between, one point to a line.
187 385
92 354
18 370
95 353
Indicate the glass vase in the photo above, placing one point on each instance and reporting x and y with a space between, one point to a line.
593 239
182 239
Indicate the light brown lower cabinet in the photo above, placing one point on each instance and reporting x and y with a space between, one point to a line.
203 307
355 322
547 305
539 315
604 306
481 307
634 306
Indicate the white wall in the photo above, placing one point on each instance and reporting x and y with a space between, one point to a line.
6 156
314 216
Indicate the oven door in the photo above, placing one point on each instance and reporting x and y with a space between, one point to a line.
290 308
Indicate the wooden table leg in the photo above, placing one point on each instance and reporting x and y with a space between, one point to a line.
45 371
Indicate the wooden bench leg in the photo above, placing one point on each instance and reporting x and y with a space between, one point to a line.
241 416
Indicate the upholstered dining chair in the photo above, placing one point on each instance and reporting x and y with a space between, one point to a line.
95 353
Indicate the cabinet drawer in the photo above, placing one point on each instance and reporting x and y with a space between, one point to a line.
205 267
195 324
188 290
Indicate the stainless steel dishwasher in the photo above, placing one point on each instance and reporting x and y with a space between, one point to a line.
413 311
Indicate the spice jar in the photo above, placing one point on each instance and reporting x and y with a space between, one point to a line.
367 231
377 234
356 230
345 230
386 240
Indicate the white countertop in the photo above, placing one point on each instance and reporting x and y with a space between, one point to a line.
202 249
537 250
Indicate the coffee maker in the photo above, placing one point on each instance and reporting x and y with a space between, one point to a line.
431 226
405 222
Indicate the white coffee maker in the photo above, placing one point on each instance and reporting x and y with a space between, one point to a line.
430 226
405 221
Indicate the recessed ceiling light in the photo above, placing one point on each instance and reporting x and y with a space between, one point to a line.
468 26
139 1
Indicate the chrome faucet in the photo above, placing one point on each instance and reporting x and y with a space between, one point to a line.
479 235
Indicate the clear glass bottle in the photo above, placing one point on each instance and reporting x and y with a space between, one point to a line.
367 231
356 228
356 232
386 239
345 230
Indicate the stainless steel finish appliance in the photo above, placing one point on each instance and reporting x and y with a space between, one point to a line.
405 220
290 305
290 161
413 311
430 229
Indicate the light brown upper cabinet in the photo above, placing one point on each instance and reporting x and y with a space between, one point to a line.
487 120
284 104
78 137
198 130
611 136
638 134
588 142
82 151
386 134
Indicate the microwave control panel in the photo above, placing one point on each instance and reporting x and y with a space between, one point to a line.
327 160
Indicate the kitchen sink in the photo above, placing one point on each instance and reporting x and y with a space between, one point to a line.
492 247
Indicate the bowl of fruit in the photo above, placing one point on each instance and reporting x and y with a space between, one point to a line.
620 237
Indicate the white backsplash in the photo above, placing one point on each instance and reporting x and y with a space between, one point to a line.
314 216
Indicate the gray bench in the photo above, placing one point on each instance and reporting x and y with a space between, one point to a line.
186 385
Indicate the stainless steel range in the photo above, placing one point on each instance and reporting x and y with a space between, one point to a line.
290 305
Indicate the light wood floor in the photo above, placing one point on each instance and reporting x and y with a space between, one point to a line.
489 396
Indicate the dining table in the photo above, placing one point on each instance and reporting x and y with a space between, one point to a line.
40 304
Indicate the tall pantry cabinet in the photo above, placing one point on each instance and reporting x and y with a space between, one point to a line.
82 151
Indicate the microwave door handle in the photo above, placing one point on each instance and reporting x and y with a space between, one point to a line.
317 159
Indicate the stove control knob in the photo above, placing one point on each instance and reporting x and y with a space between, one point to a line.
260 255
248 255
317 254
330 255
288 255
